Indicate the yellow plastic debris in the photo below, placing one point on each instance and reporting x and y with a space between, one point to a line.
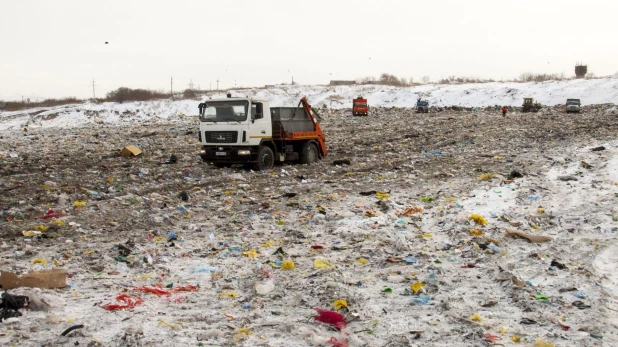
269 244
515 338
417 286
241 334
322 264
426 235
503 330
59 223
79 204
39 261
540 210
41 228
339 304
450 200
542 343
232 295
476 317
144 277
88 252
382 195
288 265
476 232
361 261
28 233
485 177
252 253
173 326
478 219
159 239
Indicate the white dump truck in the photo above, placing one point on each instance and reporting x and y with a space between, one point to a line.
248 131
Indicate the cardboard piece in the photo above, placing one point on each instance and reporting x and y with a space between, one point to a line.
131 151
54 278
529 237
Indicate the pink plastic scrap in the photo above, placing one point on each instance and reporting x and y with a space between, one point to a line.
338 343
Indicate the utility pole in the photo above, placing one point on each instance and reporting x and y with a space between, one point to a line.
217 83
94 96
172 87
190 84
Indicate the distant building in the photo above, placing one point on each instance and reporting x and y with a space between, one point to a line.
269 86
580 70
341 83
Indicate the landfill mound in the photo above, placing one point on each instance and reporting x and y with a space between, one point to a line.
454 96
453 228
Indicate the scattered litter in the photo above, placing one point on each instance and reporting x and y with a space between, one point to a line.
529 237
394 232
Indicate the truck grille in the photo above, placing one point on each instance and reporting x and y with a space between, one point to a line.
221 136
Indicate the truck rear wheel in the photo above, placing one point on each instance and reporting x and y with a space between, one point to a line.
309 154
265 159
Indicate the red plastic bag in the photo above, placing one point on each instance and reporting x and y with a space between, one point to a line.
152 290
157 289
51 214
189 288
338 343
330 317
129 303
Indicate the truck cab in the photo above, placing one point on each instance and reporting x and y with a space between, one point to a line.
573 105
360 107
248 131
422 106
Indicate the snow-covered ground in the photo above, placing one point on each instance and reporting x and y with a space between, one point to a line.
593 91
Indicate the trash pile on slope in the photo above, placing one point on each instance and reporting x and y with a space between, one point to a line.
442 228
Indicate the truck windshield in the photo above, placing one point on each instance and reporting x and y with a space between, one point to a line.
225 111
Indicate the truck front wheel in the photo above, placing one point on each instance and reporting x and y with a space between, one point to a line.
265 159
309 154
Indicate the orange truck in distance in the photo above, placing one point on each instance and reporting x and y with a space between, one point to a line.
359 107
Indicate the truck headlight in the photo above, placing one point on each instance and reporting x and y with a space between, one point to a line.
202 152
244 152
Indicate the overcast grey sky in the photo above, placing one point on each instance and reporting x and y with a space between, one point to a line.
55 48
